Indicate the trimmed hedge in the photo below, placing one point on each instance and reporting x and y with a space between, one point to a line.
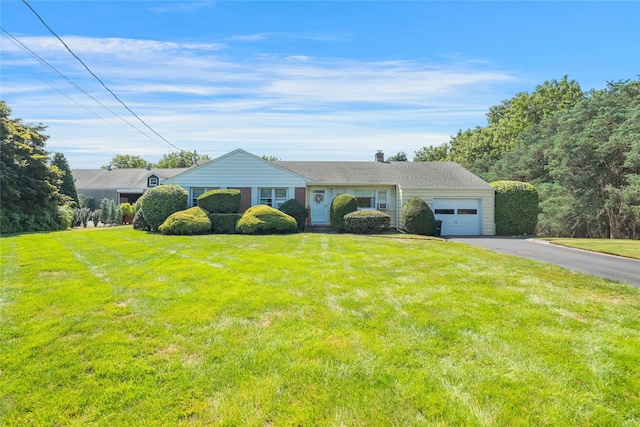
220 201
418 218
224 223
366 221
187 222
161 201
297 210
342 205
263 219
139 223
516 207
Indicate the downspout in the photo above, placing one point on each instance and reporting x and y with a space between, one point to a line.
398 209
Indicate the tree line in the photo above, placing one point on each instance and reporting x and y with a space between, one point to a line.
580 149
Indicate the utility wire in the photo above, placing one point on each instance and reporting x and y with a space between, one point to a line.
21 45
98 79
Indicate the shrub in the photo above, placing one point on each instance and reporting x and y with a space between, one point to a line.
95 217
161 201
65 217
139 223
340 206
516 207
105 210
127 209
81 216
366 221
220 201
418 218
263 219
297 210
224 223
187 222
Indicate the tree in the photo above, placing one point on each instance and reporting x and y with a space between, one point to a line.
270 158
126 161
68 185
439 153
29 186
400 156
181 159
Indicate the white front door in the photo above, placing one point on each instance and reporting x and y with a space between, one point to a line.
460 217
319 206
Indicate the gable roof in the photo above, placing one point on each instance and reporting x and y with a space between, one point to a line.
432 175
119 178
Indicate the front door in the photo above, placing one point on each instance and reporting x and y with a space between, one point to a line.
319 206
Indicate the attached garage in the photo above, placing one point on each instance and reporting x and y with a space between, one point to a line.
460 217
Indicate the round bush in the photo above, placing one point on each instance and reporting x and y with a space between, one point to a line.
161 201
263 219
340 206
297 210
366 221
187 222
516 207
418 218
220 201
139 223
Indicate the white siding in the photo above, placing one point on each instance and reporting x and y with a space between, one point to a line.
487 204
237 169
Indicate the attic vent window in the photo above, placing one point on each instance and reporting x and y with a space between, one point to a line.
153 181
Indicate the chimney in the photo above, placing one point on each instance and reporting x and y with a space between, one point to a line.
380 156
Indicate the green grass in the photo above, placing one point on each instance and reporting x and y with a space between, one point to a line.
118 327
619 247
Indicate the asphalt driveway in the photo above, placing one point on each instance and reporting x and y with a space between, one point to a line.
621 269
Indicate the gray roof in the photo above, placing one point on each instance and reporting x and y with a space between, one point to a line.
431 175
119 178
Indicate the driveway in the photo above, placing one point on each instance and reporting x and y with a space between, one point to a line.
621 269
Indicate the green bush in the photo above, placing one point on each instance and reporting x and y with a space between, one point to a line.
224 223
65 217
161 201
263 219
366 221
418 218
139 223
127 209
187 222
340 206
297 210
220 201
516 207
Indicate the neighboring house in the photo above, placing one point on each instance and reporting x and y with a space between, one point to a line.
464 202
121 185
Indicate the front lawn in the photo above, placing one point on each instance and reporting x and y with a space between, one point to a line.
118 327
619 247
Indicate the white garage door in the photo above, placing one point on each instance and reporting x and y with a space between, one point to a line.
460 217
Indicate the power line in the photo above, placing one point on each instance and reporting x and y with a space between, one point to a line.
98 79
25 48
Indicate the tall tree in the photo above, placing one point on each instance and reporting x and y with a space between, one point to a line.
126 161
400 156
28 185
181 159
439 153
68 185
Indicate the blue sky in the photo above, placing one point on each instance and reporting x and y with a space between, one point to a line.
321 80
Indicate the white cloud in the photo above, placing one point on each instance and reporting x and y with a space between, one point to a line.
204 98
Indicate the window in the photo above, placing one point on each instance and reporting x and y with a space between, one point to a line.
273 197
382 200
467 211
197 192
445 211
152 181
366 198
